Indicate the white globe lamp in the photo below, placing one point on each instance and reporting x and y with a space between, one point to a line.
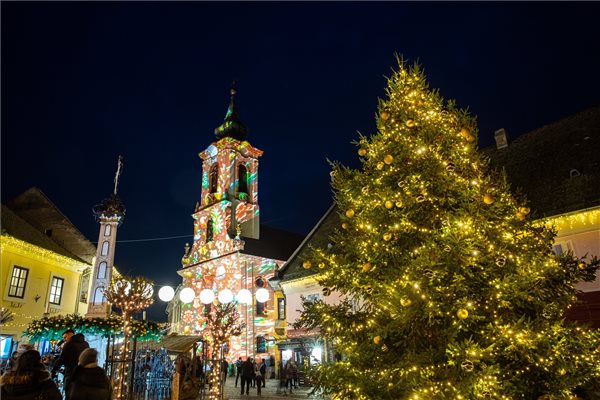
225 296
262 295
187 295
166 293
244 296
207 296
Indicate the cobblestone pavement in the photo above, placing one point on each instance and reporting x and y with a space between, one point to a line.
270 392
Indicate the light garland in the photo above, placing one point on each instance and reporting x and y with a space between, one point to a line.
10 243
586 219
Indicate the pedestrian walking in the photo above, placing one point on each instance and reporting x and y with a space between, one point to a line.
29 380
225 367
258 375
247 375
69 356
238 370
89 381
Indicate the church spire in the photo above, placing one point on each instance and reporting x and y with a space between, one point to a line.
232 126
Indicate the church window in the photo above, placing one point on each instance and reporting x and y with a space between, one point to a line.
99 295
107 230
105 249
242 179
214 178
209 231
102 270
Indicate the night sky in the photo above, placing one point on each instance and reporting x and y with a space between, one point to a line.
85 82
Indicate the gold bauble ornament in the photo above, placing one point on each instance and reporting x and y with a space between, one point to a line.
525 210
399 204
463 313
389 204
345 225
377 339
385 115
350 213
405 302
467 366
520 216
366 267
388 159
387 236
581 265
410 123
466 134
488 198
362 152
321 265
380 166
307 264
562 371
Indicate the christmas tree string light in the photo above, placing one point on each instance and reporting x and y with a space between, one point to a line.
130 295
452 291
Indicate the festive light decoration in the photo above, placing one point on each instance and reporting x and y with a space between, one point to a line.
207 296
166 293
244 296
52 328
262 295
466 300
186 295
225 296
130 295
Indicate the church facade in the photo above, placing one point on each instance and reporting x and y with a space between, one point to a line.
217 260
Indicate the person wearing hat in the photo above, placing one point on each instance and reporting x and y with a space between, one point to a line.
89 381
28 380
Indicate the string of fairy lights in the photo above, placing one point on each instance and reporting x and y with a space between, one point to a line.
460 294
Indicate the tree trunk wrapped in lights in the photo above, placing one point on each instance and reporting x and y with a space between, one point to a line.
130 296
453 292
222 322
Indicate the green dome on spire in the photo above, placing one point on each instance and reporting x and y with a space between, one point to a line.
232 126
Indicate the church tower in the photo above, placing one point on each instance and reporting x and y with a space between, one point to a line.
225 219
109 213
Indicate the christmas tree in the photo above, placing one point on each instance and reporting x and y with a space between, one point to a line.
452 291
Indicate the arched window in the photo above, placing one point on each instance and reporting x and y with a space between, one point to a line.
105 248
107 230
102 270
242 179
98 295
214 178
209 231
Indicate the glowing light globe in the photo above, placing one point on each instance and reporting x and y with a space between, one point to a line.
187 295
207 296
166 293
262 295
225 296
244 296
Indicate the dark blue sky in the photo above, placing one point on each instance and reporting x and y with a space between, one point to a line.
85 82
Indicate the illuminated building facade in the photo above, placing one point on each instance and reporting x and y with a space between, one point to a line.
45 265
219 258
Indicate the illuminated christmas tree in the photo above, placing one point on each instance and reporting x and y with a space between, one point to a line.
453 292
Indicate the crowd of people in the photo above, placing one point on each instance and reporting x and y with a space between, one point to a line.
29 378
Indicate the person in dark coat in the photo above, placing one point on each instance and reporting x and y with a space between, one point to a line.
247 375
69 356
29 380
89 381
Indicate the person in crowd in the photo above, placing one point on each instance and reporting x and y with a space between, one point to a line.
258 365
247 375
290 373
12 361
69 356
89 381
238 370
282 377
225 368
29 380
263 373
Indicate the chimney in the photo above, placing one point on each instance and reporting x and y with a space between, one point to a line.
501 139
